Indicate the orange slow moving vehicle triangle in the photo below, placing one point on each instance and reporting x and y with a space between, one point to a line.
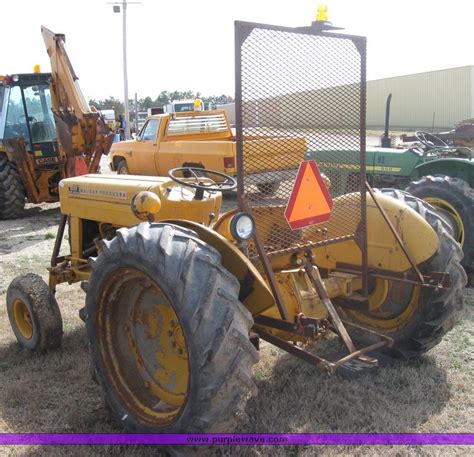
309 202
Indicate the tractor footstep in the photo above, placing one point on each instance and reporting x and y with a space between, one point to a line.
354 368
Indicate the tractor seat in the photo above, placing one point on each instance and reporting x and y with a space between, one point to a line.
40 132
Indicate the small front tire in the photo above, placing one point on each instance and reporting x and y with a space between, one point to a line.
34 314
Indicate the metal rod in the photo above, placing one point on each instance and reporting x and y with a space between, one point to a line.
363 351
362 240
319 362
434 279
318 283
125 75
59 238
395 233
267 266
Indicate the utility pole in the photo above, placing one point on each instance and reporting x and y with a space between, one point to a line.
116 8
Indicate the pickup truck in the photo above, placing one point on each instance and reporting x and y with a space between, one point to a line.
201 139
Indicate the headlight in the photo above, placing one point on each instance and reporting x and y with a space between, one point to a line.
242 226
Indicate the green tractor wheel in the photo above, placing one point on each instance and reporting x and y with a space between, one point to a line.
169 338
453 199
415 317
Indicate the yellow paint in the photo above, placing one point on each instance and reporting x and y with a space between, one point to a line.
419 238
108 198
173 376
444 205
23 320
155 386
322 14
382 320
146 205
379 294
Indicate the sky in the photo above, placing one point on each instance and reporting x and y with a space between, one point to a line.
189 44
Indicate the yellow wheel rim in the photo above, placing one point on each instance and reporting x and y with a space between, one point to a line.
391 306
454 215
22 318
143 347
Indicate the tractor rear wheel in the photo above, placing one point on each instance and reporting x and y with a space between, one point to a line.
453 198
12 192
169 338
34 313
416 317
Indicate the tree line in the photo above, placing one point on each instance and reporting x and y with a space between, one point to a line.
163 99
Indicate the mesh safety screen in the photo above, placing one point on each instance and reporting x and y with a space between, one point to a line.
300 95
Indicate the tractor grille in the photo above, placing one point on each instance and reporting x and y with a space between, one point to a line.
300 94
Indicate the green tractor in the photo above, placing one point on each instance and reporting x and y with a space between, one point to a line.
440 174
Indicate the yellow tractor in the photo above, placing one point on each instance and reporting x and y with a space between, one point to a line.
178 295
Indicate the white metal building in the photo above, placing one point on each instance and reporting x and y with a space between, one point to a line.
438 99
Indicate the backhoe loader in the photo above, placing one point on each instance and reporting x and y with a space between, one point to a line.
178 296
47 132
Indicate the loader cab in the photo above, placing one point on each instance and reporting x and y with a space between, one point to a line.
25 111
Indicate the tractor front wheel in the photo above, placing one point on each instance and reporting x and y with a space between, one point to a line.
34 314
169 338
453 198
416 317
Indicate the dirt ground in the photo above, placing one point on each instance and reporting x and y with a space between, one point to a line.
54 392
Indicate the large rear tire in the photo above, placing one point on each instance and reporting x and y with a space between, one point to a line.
416 317
12 192
454 199
169 338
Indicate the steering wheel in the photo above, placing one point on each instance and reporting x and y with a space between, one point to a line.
429 140
229 183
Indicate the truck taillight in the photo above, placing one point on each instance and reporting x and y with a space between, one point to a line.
229 162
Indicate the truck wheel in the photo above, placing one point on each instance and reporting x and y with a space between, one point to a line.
12 192
415 317
268 188
34 313
122 168
169 338
453 198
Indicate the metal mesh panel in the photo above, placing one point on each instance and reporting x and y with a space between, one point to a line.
300 95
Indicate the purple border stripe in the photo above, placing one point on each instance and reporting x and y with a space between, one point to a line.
240 439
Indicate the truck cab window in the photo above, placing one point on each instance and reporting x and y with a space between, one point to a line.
148 132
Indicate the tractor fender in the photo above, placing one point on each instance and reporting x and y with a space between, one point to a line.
384 252
453 167
254 291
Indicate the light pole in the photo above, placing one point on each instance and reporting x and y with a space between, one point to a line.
116 8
